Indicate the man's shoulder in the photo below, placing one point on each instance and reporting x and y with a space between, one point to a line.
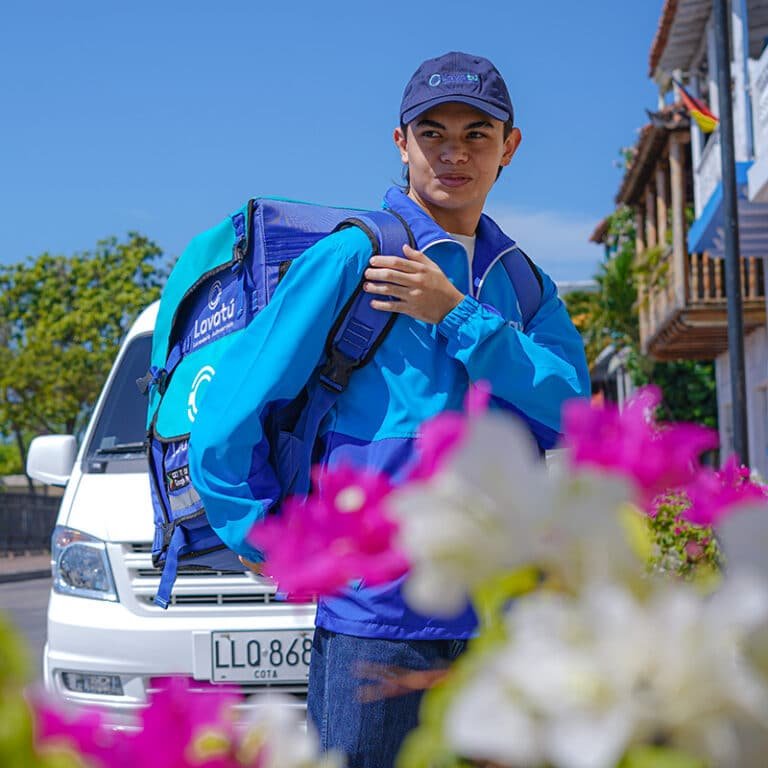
348 245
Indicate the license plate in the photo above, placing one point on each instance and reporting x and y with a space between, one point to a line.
261 656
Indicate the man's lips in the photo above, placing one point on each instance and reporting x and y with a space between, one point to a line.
453 179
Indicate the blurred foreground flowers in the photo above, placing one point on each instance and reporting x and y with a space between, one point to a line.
609 636
622 593
178 729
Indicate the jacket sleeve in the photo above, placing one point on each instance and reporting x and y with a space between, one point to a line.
532 372
266 367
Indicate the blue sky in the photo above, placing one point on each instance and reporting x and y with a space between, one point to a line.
163 117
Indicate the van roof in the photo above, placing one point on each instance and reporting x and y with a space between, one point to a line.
145 322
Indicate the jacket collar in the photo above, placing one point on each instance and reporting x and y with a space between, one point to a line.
491 241
426 230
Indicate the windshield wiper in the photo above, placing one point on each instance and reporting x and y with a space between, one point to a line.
121 448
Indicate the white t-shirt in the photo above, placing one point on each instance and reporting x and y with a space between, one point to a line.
468 241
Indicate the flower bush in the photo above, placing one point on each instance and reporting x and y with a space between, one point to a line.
610 634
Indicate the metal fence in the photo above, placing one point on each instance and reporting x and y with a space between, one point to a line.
26 521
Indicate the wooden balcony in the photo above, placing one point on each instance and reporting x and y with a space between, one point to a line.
687 318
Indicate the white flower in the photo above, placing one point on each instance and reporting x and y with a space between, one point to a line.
276 736
582 679
495 507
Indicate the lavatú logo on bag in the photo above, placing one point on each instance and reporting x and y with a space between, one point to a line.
214 296
202 378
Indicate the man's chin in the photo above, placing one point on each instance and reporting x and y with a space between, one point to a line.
451 197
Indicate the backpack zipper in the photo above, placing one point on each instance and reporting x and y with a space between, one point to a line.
239 251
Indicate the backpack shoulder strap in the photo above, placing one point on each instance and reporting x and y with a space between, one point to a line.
352 342
359 330
526 280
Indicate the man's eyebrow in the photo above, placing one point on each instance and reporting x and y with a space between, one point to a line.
431 124
471 126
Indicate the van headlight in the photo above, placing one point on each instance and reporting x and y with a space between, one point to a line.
80 565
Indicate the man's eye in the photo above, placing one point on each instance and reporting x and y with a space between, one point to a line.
430 134
476 135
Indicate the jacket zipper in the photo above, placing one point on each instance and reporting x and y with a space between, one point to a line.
466 253
490 266
472 293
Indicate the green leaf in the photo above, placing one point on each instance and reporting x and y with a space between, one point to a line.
659 757
14 660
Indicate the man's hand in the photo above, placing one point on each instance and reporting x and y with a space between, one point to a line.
423 290
257 568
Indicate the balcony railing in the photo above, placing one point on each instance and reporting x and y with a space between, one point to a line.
693 323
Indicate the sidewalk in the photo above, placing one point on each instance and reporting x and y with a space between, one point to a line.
23 567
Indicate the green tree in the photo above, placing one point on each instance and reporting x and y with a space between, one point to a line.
10 463
62 319
609 316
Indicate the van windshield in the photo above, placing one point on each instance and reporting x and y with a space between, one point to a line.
121 427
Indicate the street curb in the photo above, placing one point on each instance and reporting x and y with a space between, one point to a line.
24 576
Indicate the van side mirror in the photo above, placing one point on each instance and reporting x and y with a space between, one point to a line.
51 458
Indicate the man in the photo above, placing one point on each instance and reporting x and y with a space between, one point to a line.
461 322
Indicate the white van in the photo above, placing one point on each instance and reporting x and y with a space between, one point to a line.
106 638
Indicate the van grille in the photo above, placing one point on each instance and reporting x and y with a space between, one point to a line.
246 689
194 586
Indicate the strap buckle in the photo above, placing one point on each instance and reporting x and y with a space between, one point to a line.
153 377
334 375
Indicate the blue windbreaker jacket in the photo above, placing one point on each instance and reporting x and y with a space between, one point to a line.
420 370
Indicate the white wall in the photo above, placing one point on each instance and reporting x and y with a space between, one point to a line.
756 364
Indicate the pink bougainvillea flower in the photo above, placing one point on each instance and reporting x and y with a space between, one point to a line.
442 434
342 532
713 495
180 728
82 731
185 727
339 534
655 458
440 437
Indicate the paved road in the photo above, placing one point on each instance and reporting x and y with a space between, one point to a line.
27 602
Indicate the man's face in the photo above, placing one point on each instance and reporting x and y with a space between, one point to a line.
454 152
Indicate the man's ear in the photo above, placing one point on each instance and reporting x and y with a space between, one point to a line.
511 143
401 143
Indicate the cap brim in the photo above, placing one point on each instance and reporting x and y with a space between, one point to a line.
411 114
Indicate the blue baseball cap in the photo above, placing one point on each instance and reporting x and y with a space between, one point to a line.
459 77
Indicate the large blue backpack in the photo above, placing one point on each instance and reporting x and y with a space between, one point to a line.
217 287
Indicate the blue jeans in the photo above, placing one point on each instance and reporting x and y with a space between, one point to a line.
345 701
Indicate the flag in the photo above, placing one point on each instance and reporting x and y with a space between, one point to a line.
697 110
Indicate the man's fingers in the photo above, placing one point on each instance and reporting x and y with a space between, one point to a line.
389 306
257 568
413 255
395 262
393 276
387 289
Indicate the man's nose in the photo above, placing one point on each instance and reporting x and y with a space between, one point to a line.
453 153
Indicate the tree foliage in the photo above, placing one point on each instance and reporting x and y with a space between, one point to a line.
10 463
610 316
62 319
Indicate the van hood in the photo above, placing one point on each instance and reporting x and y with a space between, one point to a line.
114 506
